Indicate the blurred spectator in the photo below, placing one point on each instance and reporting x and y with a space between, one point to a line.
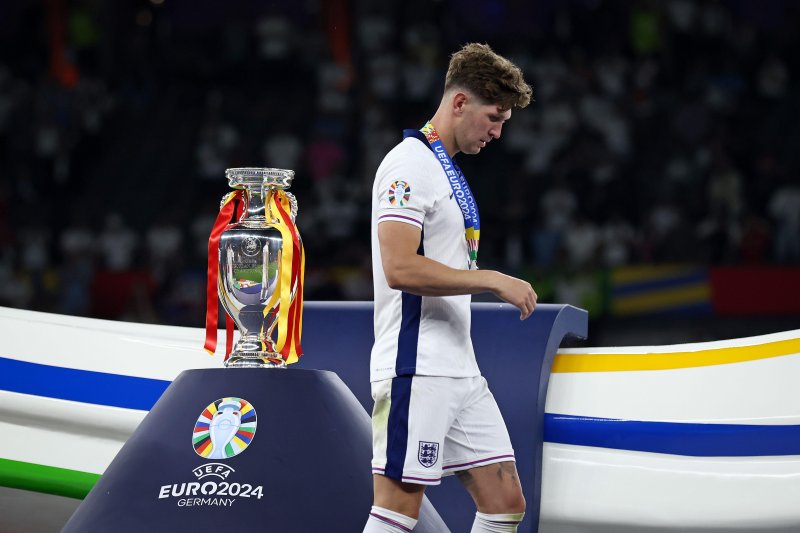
200 232
618 238
117 243
77 246
581 242
275 38
725 189
755 242
282 150
334 84
784 207
140 307
337 209
682 15
601 115
6 233
16 288
719 235
421 77
35 241
78 239
772 78
646 23
557 207
324 157
377 137
164 241
218 139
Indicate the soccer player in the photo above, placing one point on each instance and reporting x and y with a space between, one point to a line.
433 414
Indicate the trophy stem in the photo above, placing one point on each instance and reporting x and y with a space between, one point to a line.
249 352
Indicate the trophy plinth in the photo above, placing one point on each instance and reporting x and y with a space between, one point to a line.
252 264
207 459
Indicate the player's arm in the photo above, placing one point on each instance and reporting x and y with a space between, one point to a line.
416 274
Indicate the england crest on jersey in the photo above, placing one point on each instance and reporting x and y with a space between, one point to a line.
428 453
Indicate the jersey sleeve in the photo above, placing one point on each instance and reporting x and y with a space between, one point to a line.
403 193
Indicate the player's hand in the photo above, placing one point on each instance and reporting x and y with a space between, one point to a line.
518 293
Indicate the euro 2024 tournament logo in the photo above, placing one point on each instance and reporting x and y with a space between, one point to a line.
399 193
224 429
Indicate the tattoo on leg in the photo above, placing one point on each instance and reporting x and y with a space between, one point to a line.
465 477
510 469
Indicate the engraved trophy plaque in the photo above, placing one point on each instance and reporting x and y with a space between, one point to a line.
260 268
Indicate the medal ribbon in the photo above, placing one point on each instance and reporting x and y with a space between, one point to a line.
458 184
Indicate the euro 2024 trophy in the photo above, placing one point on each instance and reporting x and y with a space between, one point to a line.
255 267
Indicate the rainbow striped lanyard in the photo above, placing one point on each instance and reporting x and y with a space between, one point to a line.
458 184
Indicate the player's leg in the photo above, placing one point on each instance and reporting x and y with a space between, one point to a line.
479 452
406 437
496 523
396 505
495 488
497 493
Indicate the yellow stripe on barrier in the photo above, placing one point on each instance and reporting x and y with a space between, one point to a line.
602 362
662 299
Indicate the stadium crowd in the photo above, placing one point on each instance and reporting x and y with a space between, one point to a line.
661 132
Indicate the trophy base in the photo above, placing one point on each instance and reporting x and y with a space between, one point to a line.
255 360
252 352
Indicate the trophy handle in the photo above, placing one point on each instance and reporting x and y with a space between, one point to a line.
293 204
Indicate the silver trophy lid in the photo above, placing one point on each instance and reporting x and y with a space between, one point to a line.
278 178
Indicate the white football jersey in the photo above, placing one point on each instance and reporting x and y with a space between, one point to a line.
419 335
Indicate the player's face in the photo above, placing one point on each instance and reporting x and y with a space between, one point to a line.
480 124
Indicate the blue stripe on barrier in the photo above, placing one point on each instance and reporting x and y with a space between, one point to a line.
676 438
80 385
667 282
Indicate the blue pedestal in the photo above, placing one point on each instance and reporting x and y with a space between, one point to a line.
300 462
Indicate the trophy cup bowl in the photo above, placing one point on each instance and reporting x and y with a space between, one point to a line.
250 267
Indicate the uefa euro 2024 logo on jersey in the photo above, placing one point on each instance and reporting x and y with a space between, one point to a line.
428 453
224 429
399 193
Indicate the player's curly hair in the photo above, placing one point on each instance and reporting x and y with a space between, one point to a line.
493 78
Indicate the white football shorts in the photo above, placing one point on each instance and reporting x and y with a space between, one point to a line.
426 427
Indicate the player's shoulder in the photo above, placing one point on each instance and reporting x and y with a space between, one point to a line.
410 152
409 159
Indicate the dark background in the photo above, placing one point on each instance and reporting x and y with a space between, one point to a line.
662 133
